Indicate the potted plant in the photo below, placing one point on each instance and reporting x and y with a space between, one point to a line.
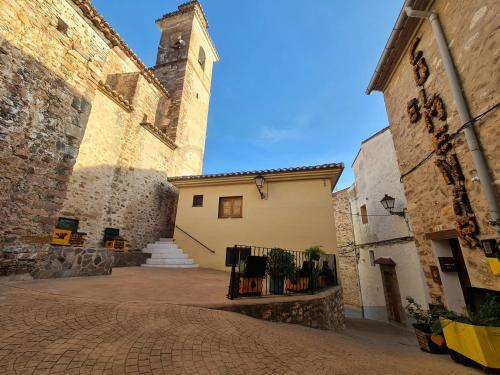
424 320
473 338
281 264
297 281
313 255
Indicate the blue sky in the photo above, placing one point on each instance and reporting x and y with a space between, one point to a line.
289 89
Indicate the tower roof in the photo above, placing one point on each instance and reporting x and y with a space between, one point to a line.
192 6
188 7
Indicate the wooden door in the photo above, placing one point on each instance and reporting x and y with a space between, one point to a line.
392 295
463 275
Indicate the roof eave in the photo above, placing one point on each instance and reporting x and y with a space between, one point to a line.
387 61
332 174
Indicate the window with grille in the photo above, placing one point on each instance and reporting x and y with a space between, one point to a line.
230 207
197 200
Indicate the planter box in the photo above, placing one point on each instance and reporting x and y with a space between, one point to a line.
301 285
479 344
250 286
424 334
494 265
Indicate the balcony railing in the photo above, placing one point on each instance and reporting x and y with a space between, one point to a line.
263 271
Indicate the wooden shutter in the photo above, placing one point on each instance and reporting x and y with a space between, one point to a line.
230 207
237 203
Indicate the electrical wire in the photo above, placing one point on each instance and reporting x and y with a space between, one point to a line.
350 213
452 136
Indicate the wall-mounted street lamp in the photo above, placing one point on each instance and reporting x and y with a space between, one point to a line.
259 182
388 203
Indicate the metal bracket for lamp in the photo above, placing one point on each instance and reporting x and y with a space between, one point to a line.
388 203
259 182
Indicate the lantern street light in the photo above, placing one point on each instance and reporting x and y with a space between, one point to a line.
388 203
259 182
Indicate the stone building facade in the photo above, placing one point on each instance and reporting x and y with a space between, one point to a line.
423 119
87 131
346 250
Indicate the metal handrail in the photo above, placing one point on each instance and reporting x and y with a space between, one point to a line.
201 243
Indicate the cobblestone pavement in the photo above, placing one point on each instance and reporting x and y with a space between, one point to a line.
44 333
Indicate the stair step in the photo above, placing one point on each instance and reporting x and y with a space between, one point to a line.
166 253
169 261
163 251
163 245
171 266
169 255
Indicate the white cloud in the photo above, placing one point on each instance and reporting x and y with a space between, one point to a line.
274 134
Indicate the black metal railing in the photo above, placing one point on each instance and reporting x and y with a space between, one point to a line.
263 271
195 239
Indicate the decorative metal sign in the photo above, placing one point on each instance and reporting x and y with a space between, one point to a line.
434 113
448 264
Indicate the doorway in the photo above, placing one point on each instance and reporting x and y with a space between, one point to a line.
391 293
463 275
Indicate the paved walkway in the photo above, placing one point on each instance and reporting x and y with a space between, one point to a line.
103 329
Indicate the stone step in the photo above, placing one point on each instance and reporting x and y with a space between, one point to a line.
169 261
162 251
163 246
171 265
168 255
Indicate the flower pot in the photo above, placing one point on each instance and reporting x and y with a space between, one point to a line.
276 285
479 344
302 284
434 344
250 286
321 281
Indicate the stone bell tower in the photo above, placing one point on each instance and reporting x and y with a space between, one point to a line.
184 63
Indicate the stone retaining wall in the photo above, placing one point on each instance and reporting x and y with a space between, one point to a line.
324 310
60 262
132 258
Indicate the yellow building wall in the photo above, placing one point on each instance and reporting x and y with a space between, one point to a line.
295 215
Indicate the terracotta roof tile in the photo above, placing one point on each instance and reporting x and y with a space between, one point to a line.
256 172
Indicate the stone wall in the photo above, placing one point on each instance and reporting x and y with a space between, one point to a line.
130 258
60 262
471 28
42 121
346 255
324 310
77 128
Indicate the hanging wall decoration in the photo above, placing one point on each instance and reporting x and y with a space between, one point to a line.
434 114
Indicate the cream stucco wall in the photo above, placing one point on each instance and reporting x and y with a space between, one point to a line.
295 215
376 174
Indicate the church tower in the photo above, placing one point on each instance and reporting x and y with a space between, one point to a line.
186 55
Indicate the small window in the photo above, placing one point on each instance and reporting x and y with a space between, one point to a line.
364 214
202 58
372 258
230 207
197 200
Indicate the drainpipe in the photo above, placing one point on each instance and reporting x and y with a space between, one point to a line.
465 117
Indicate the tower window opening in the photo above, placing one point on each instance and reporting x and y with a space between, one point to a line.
202 58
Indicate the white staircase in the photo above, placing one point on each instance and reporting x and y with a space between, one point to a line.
165 253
